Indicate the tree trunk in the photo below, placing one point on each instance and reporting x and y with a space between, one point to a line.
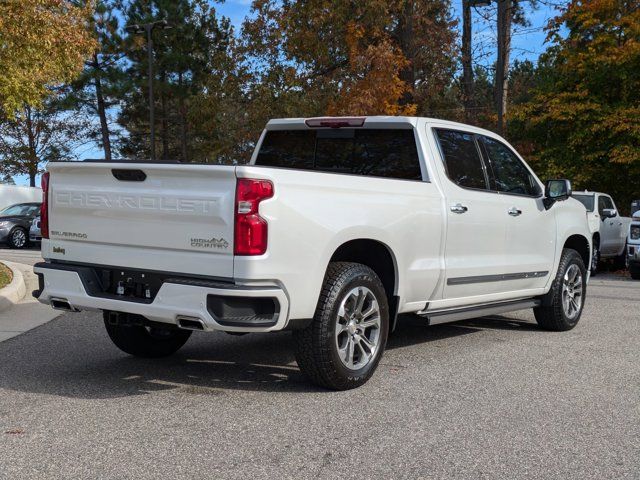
32 162
102 113
405 39
502 70
183 122
467 65
164 125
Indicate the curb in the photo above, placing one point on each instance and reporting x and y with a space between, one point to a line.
15 291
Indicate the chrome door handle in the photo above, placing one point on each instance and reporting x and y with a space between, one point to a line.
458 208
514 212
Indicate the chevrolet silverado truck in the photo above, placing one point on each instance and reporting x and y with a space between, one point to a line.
633 246
335 227
609 230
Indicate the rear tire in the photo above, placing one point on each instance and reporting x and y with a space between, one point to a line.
18 238
343 345
562 307
595 259
620 262
144 341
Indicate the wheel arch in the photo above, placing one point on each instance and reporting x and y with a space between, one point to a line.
580 244
380 258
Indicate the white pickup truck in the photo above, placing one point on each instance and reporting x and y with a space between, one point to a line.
633 247
609 229
335 227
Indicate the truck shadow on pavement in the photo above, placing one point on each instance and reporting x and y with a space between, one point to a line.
73 357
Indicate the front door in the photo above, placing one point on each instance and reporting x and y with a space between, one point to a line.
530 228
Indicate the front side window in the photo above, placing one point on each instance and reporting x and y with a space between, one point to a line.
462 158
389 153
511 175
586 200
604 203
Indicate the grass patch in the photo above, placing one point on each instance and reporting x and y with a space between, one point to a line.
5 275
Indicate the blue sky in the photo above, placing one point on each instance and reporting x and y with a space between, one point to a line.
527 43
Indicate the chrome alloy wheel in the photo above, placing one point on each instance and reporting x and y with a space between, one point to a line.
19 238
572 292
358 328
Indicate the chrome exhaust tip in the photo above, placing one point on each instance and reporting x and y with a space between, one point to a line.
62 304
190 323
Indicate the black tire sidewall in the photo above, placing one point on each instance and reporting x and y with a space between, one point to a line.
594 262
634 270
373 284
571 257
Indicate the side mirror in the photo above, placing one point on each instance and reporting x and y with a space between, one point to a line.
556 191
609 213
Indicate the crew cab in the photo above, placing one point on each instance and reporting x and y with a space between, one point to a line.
335 227
633 246
609 230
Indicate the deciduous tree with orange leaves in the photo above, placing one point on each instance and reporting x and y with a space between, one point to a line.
43 43
361 57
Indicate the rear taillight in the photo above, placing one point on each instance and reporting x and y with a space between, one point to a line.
251 230
44 208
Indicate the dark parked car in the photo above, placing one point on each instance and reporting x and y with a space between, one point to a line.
15 222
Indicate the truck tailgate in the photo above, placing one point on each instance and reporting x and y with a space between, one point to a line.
170 217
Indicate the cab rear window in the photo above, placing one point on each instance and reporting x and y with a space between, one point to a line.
389 153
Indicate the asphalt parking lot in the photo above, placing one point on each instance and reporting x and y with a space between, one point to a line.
26 256
492 398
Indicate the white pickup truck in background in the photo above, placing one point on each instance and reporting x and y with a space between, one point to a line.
336 226
609 230
633 246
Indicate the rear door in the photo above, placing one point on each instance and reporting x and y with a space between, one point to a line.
161 217
475 251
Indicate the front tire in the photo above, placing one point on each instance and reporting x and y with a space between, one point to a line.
145 341
562 307
343 345
620 262
18 238
634 270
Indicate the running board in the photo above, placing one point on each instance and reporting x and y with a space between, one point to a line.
463 313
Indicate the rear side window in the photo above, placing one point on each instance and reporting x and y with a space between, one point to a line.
511 175
373 152
462 158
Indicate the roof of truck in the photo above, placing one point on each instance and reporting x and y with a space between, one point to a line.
589 192
374 120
